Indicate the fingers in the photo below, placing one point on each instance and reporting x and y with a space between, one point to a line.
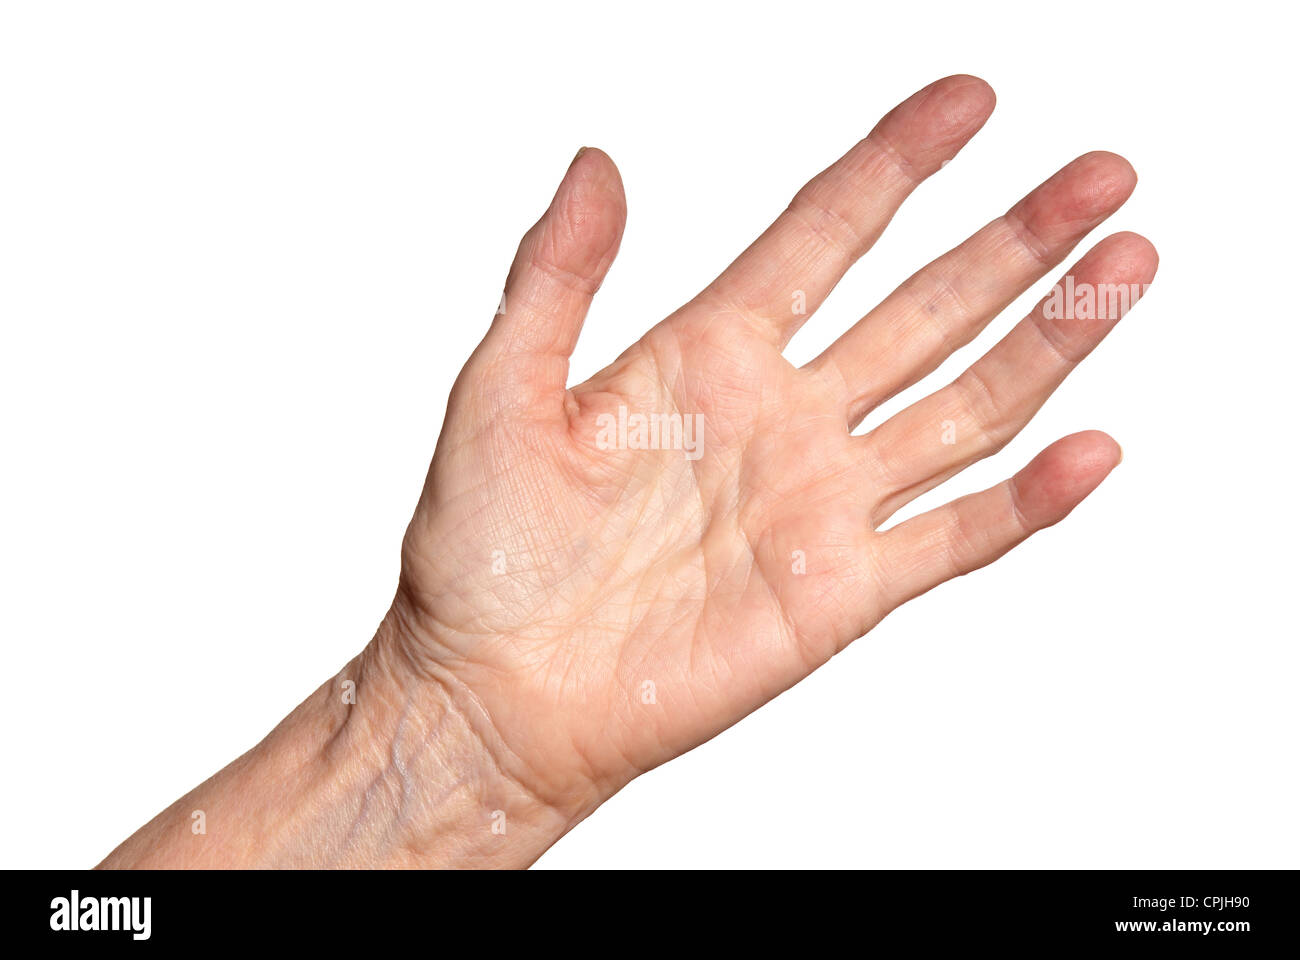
995 397
947 303
789 270
973 531
561 263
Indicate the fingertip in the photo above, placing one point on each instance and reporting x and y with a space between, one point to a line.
1092 450
956 106
582 228
1112 166
1075 199
976 90
592 169
1059 478
593 158
1132 255
929 127
1100 182
1120 258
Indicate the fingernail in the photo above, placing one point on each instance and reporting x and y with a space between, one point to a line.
581 151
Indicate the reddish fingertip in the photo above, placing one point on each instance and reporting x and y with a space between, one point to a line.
1132 255
1100 182
592 186
1123 257
1091 450
1060 477
975 90
594 166
957 105
929 127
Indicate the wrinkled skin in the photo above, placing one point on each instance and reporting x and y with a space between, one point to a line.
571 613
600 611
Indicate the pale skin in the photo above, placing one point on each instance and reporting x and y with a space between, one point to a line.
570 616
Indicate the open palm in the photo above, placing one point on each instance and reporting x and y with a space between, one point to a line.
606 576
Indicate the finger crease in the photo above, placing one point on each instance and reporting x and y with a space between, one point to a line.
980 397
944 323
1013 493
1030 241
815 216
1054 340
574 282
903 165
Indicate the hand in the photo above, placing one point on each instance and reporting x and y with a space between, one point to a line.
579 603
600 610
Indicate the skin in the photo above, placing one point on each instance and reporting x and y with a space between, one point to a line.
549 584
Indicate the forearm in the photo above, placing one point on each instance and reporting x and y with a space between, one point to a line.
374 769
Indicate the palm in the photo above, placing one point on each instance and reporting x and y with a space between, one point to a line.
612 607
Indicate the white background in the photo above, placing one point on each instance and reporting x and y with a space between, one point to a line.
245 247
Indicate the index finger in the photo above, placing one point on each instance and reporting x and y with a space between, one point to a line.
784 275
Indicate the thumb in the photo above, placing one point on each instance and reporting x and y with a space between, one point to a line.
561 263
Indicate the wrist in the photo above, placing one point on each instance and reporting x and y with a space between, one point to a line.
382 766
442 787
